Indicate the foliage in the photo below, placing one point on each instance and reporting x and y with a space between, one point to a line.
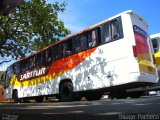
34 25
0 73
7 6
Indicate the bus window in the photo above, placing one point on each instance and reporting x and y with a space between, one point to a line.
24 65
67 48
32 62
80 43
56 52
16 68
77 44
106 33
48 56
39 60
93 38
115 29
84 45
155 45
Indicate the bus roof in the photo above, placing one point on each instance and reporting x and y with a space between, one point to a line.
82 31
155 35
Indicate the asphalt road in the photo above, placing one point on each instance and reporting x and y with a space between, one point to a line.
144 108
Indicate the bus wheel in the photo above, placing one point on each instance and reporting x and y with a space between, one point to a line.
93 96
39 99
66 92
15 96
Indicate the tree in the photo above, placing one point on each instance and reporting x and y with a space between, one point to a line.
7 6
34 25
0 73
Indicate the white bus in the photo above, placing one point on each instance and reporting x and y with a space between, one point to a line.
111 56
148 90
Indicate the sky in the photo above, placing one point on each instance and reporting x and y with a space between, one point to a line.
81 14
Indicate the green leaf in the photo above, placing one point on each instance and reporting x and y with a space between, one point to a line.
34 26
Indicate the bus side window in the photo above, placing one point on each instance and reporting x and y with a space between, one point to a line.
67 48
56 52
77 44
32 62
115 29
16 68
39 60
93 38
106 33
84 43
80 43
48 56
155 45
25 65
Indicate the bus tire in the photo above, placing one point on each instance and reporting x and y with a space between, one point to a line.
15 96
66 91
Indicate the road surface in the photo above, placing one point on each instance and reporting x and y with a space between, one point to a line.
144 108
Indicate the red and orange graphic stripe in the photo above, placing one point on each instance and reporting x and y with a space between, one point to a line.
57 68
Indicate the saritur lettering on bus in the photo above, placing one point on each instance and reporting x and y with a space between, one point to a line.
32 74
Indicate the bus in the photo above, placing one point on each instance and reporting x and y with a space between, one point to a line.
156 44
110 56
149 90
156 47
